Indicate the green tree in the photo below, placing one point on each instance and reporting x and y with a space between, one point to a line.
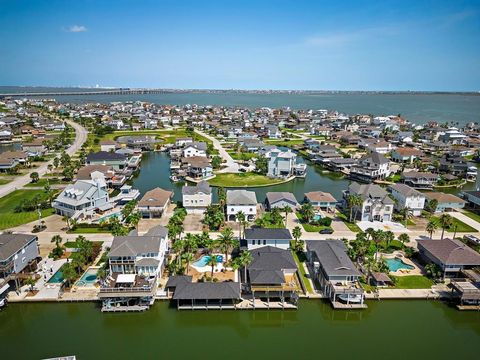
353 202
431 227
286 210
34 177
241 220
433 270
216 162
212 261
187 257
445 222
261 165
307 212
244 260
69 273
404 238
31 282
432 205
227 241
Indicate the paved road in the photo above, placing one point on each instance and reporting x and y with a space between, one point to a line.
20 181
232 166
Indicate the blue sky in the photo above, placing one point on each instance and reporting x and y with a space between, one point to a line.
342 45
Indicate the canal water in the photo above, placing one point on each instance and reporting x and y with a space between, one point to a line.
155 172
387 329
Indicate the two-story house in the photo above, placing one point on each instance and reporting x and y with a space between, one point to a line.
281 163
408 197
196 198
258 237
117 161
419 180
195 149
241 200
154 203
376 204
371 167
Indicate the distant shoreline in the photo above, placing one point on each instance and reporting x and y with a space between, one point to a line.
45 89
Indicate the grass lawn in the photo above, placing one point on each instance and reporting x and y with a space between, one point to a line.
243 179
412 282
4 181
73 244
461 226
472 215
43 182
9 219
88 230
310 227
286 142
242 156
351 226
301 270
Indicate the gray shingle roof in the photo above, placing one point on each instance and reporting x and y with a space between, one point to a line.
451 252
405 190
105 156
333 257
241 197
202 186
134 245
12 243
268 265
274 197
366 191
267 234
207 291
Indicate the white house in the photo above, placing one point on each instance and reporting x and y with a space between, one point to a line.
281 163
196 198
260 237
195 149
371 167
376 205
408 197
241 200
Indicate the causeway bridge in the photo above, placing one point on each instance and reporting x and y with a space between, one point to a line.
119 91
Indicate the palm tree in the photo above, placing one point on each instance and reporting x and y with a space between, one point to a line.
286 210
353 202
404 238
307 212
241 220
454 226
188 258
34 176
431 227
297 234
445 222
244 260
212 261
66 218
57 239
227 241
406 213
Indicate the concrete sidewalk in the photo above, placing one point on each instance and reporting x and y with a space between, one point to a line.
465 219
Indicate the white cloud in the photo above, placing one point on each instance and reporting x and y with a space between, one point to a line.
330 39
77 28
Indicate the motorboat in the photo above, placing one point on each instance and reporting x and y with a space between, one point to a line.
350 298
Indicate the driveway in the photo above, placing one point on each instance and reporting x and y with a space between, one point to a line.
232 166
20 181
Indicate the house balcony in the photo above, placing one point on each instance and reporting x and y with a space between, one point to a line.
127 285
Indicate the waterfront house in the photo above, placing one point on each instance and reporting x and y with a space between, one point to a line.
83 197
197 167
273 132
419 180
116 161
446 202
18 254
371 167
280 200
406 155
281 164
338 277
135 263
251 145
409 198
451 255
241 200
181 142
154 203
258 237
197 198
321 200
108 145
34 148
7 163
272 277
196 149
327 153
376 206
206 295
341 164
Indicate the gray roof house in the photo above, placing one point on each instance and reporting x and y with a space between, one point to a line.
280 199
196 198
377 205
335 272
259 237
17 252
241 200
453 256
82 198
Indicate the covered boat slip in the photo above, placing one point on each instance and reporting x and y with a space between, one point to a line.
207 295
467 292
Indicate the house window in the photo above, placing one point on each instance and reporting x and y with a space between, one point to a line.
253 242
264 242
259 242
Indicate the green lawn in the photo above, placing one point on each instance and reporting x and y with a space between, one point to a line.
310 227
461 226
88 230
472 215
4 181
242 180
412 282
302 272
284 142
73 244
242 156
9 219
43 182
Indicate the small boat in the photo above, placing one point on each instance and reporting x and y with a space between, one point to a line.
353 299
3 303
174 178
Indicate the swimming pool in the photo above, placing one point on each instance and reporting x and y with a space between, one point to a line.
89 278
203 261
395 264
57 278
317 217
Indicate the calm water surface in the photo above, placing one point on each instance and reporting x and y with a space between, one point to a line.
387 329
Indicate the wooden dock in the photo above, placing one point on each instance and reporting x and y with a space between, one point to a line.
133 308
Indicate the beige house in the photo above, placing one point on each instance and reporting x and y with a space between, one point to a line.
196 198
154 203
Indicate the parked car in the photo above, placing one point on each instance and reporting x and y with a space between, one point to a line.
472 239
326 231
